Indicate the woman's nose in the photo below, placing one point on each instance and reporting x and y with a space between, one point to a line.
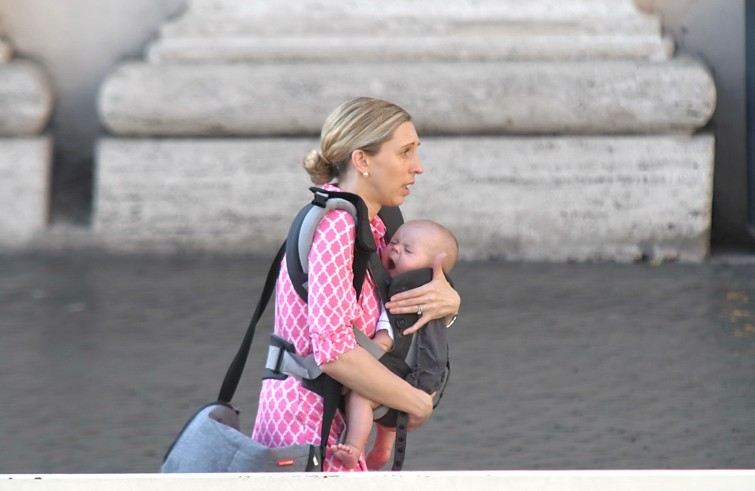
418 169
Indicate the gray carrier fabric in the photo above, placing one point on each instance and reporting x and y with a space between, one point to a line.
422 359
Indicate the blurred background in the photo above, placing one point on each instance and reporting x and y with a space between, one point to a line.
592 156
103 74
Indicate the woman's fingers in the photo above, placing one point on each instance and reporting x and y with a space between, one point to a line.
417 325
438 267
417 419
437 298
409 298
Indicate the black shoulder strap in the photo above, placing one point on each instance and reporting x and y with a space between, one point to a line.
327 387
308 216
233 375
392 218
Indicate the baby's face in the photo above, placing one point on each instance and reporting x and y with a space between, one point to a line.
410 248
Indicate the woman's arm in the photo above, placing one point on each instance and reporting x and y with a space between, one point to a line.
359 371
332 310
438 299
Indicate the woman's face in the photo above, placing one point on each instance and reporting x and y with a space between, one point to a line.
394 168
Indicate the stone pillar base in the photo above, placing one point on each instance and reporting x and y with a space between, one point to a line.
622 198
26 98
276 99
25 167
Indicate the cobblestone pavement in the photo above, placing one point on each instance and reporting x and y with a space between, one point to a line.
554 366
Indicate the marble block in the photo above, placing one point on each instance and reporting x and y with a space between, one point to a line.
609 97
223 195
622 198
25 168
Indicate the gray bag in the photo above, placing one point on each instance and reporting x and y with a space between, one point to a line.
211 442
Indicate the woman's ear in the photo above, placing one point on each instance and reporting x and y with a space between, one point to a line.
359 161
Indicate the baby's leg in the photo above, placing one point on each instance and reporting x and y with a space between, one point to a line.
358 427
381 448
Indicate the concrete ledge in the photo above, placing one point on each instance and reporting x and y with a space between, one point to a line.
608 97
650 480
537 198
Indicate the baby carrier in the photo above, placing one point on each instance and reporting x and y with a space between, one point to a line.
420 358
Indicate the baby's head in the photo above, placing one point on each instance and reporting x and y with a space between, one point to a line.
416 244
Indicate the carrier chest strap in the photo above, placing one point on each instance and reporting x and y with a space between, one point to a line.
368 344
282 359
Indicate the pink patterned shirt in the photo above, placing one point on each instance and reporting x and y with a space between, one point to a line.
287 412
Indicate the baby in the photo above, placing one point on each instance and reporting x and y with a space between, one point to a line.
415 245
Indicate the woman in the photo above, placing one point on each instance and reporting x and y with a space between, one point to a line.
369 147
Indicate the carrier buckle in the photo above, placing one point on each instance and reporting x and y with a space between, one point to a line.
275 357
320 199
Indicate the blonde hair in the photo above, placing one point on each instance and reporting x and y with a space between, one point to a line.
363 124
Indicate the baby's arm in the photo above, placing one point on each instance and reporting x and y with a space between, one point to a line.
383 339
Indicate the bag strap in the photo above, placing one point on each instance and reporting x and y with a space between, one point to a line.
233 375
328 388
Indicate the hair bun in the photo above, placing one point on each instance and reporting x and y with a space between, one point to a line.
319 168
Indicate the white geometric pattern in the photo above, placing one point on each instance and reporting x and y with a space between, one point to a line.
289 413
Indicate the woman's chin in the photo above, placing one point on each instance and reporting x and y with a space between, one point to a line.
398 201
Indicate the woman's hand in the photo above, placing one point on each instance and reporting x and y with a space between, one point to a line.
381 385
424 411
438 299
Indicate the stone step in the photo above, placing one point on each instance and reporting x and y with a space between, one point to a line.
477 46
26 99
622 198
270 30
25 172
595 97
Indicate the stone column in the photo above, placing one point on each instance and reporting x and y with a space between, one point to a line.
25 151
552 130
